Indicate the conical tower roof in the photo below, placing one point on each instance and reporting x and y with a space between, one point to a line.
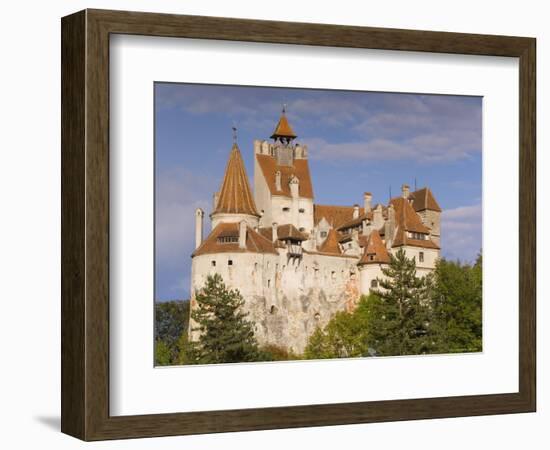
235 196
375 251
283 129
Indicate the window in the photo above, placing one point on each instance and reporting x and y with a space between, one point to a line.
213 263
421 256
273 309
333 275
286 209
230 262
417 236
302 229
323 234
371 257
268 283
228 239
374 284
301 210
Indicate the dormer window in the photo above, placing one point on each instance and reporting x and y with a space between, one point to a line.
417 236
228 239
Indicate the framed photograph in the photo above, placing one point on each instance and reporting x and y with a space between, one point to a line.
272 225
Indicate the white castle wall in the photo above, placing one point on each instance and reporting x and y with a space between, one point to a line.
430 257
368 273
286 298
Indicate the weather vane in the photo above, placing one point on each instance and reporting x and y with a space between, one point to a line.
234 128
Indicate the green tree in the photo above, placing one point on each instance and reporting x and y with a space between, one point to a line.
398 313
171 322
163 354
225 334
343 337
456 324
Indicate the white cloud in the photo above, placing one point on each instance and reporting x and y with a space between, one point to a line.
179 193
427 149
461 232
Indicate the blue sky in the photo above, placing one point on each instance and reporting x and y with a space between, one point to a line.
357 142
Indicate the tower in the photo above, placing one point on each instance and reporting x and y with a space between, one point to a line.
282 183
234 202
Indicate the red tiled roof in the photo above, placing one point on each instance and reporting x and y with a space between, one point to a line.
283 129
356 222
235 195
375 251
331 244
423 199
335 215
299 168
407 220
289 231
406 217
255 242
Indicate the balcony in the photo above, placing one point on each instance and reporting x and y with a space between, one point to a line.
294 250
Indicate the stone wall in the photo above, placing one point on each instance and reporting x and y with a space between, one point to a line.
287 298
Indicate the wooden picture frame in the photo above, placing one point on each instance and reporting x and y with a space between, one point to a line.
85 224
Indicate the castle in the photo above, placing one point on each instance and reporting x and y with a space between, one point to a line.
296 263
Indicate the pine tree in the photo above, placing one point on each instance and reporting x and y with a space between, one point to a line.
398 313
225 334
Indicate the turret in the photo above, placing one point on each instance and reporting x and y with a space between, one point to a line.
234 200
199 220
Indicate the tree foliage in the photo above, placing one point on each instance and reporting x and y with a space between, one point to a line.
456 300
343 337
399 311
171 322
409 315
225 333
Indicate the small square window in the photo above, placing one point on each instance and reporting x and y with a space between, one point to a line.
213 263
230 262
323 234
302 210
286 209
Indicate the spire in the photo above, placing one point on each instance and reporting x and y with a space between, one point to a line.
283 130
235 196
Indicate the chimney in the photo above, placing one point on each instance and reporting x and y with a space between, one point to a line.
274 231
199 218
242 234
355 211
367 198
278 180
405 191
390 226
377 218
294 186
